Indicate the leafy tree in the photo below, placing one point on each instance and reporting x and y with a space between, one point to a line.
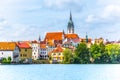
113 50
68 57
4 60
82 54
9 59
97 53
76 60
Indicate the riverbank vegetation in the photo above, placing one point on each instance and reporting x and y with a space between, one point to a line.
96 54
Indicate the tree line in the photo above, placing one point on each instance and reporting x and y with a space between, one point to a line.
96 54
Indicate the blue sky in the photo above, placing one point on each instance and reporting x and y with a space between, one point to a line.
27 19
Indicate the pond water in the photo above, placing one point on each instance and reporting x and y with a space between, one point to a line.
60 72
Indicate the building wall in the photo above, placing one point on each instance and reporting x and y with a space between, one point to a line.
43 53
25 53
6 54
57 57
35 51
16 55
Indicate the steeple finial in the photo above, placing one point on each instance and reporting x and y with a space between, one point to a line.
63 31
70 15
39 38
86 38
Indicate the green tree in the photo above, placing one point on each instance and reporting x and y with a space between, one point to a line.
68 57
113 50
9 60
97 53
4 60
82 54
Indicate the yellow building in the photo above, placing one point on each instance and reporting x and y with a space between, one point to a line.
98 41
25 51
56 55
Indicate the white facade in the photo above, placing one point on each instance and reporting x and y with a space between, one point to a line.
43 53
13 54
50 48
35 51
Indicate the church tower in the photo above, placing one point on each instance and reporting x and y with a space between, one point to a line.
70 27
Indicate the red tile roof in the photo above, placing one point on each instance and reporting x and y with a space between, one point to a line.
57 49
42 46
54 36
71 36
23 45
7 46
34 41
42 42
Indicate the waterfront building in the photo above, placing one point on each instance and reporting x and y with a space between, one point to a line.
35 50
9 49
86 40
99 40
56 55
25 51
43 52
54 38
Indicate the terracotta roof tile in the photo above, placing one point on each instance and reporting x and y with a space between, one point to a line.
71 36
54 36
23 45
7 45
43 46
34 41
57 49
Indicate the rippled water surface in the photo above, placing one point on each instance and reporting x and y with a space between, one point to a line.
59 72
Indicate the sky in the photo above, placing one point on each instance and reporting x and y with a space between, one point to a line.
27 19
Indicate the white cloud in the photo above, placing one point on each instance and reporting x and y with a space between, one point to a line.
111 11
90 18
59 3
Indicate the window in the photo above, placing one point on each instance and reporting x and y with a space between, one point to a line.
58 58
25 49
59 54
20 49
21 55
24 55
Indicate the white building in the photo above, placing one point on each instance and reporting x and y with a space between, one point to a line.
43 50
35 50
9 49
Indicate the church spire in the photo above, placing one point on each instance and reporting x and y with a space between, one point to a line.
70 16
86 38
70 27
39 38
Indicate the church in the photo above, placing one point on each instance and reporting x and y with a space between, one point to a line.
64 40
55 38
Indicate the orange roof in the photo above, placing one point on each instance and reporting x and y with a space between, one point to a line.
34 41
43 46
7 45
71 36
54 36
57 49
51 43
42 42
23 45
84 40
